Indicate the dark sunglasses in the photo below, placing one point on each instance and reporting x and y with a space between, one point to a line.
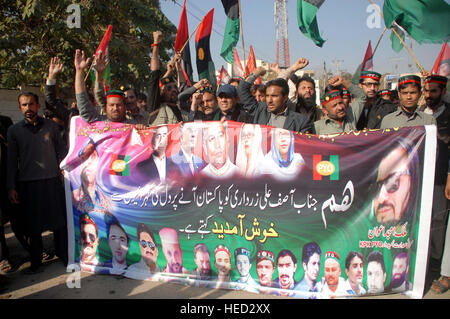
144 244
392 182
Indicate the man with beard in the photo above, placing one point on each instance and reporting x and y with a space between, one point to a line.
188 163
434 91
163 91
376 273
134 112
306 99
222 257
311 265
274 111
354 268
286 265
147 266
89 242
338 118
201 93
172 251
400 268
202 260
34 182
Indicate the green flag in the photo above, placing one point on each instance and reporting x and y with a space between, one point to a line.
426 21
307 22
397 45
232 29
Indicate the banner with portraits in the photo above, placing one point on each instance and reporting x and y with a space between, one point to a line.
252 207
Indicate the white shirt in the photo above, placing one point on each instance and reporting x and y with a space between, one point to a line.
161 167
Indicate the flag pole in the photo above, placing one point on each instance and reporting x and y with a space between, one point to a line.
89 71
400 38
242 31
379 41
187 41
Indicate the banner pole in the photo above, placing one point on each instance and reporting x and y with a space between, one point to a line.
400 38
242 32
379 40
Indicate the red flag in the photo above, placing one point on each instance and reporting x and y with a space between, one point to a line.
102 48
180 40
367 64
251 65
237 68
442 64
224 77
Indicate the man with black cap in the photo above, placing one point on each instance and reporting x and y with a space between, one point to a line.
274 111
375 107
115 107
434 91
409 91
338 118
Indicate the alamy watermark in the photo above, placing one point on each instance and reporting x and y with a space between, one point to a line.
74 19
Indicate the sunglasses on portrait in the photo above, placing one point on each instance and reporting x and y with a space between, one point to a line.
392 182
144 244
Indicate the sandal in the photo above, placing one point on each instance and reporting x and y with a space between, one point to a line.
5 266
441 285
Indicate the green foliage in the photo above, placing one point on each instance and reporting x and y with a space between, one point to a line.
33 31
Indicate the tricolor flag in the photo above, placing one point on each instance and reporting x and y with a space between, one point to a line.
251 65
307 22
232 29
103 49
205 65
367 64
224 77
323 167
237 69
180 40
442 64
119 165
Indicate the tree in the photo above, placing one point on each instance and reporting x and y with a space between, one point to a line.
33 31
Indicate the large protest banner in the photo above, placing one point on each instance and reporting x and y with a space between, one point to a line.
252 207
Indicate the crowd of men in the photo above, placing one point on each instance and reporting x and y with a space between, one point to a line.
32 191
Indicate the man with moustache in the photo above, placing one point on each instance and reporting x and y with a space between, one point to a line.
332 282
222 257
115 106
202 260
265 267
89 242
354 268
434 91
311 265
274 111
400 268
215 142
338 118
409 92
147 266
172 251
286 265
34 181
306 99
